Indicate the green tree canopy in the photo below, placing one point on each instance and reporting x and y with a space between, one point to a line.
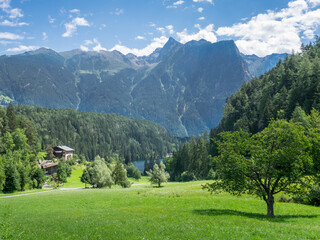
272 161
158 175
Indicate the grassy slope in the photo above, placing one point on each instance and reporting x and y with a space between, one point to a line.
177 211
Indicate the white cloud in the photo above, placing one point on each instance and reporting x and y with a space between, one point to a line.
314 3
44 36
71 27
275 31
170 29
178 3
117 11
4 4
162 30
22 48
51 19
203 33
209 1
10 36
156 43
84 48
88 42
77 11
98 47
13 24
201 18
15 13
200 9
140 38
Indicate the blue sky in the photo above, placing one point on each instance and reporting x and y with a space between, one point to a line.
140 26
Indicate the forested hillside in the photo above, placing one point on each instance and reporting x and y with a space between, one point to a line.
94 134
293 82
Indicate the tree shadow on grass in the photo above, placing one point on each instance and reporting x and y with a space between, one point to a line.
258 216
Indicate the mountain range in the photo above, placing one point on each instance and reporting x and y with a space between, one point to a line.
180 86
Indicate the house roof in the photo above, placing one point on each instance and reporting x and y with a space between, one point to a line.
48 165
65 148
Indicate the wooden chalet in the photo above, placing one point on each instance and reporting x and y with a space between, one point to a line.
49 167
63 152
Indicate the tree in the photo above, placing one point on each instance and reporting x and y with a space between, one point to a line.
2 174
158 175
62 172
133 171
100 174
272 161
119 175
38 177
49 151
85 178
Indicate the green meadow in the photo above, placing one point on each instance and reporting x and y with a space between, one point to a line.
175 211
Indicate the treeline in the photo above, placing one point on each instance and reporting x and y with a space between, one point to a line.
294 84
18 153
106 135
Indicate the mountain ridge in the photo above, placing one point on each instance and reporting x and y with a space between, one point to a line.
183 87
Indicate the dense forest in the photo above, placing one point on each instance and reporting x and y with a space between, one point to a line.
106 135
292 86
18 153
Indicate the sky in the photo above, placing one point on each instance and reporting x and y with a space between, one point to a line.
260 27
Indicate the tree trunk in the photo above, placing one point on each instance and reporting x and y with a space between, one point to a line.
270 202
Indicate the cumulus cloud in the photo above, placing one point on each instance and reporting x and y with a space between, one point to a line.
275 31
140 38
156 43
176 4
77 11
314 3
201 18
84 48
8 23
203 33
208 1
98 46
170 29
10 36
72 26
22 48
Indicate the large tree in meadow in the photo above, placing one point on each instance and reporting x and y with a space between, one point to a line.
272 161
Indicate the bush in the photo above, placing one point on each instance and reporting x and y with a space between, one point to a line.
188 176
133 171
313 196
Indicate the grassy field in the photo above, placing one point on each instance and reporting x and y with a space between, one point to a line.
176 211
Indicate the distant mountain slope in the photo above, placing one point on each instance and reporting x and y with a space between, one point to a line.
183 87
260 65
293 82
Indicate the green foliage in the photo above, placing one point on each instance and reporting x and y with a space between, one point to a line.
158 175
64 171
272 161
100 174
38 177
119 175
85 177
133 171
92 134
293 82
192 160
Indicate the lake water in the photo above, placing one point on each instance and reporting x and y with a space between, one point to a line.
140 164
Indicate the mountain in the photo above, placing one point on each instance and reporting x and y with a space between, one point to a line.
260 65
183 87
294 82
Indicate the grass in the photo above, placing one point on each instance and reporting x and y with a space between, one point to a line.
176 211
74 180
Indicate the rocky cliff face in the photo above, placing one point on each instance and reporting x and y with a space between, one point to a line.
181 86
